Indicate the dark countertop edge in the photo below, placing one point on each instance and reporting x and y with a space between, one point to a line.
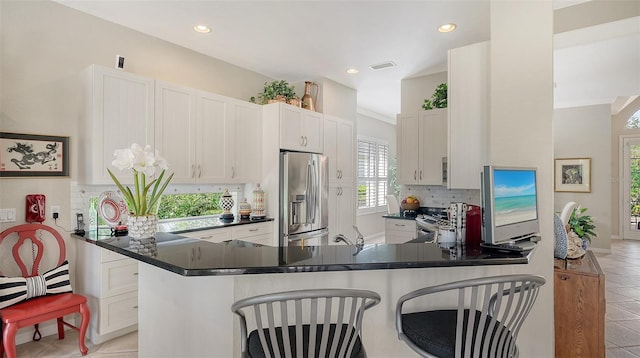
399 217
506 260
223 225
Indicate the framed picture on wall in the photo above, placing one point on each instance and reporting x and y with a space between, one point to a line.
573 175
29 155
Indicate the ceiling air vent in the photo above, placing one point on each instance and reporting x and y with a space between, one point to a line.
382 66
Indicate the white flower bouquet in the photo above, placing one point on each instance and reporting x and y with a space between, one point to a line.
143 163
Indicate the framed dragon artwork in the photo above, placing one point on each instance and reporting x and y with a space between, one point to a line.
30 155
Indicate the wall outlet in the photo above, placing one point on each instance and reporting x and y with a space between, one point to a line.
55 211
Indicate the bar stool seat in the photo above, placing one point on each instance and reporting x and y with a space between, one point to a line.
490 313
304 323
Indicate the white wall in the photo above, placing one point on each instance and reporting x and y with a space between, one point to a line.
371 224
521 112
416 89
584 132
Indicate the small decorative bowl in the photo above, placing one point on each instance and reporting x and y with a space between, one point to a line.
412 206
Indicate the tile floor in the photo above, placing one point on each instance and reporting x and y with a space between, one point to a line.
622 272
622 285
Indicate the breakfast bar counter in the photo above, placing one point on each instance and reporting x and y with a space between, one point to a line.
186 286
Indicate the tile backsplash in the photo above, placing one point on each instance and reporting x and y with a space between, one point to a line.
440 196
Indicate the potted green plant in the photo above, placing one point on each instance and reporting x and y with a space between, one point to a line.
582 224
276 91
438 99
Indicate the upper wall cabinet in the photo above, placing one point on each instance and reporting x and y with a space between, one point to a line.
339 139
468 101
120 113
207 138
300 129
244 142
175 130
422 147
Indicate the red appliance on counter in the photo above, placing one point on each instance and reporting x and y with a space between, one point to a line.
474 227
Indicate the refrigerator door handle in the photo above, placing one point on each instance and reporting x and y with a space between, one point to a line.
314 179
308 189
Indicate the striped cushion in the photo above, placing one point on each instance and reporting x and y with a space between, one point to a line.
17 289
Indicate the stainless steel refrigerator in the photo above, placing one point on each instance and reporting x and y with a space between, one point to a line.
304 188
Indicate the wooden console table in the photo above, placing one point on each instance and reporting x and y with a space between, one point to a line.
579 307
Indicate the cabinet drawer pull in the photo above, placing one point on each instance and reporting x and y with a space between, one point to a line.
135 274
401 225
206 237
564 277
254 229
135 307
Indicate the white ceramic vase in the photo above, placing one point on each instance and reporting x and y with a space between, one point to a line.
142 227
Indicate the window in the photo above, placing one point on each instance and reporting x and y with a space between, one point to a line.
373 165
634 121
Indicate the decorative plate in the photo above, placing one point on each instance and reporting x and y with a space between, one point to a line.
113 209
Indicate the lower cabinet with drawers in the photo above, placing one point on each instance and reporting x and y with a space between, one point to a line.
257 233
398 231
110 283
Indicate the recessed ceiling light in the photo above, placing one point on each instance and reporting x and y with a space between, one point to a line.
447 27
203 29
353 71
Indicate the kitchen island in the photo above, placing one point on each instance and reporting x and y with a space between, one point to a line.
186 286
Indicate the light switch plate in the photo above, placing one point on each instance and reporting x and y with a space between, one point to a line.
7 215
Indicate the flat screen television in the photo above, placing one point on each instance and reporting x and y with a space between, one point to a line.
509 204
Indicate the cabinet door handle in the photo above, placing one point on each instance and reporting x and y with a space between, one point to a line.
415 175
305 141
199 253
199 171
564 277
233 172
193 170
420 174
340 173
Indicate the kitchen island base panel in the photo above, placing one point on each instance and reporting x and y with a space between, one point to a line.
184 316
191 316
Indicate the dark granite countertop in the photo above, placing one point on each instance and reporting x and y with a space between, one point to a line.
193 257
180 226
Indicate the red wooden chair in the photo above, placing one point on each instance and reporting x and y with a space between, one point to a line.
44 308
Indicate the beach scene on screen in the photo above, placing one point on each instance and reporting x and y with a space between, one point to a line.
515 196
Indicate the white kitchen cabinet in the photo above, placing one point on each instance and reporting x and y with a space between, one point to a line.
468 101
342 209
258 233
207 138
211 235
422 147
339 139
299 129
398 231
175 130
243 142
120 111
110 283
